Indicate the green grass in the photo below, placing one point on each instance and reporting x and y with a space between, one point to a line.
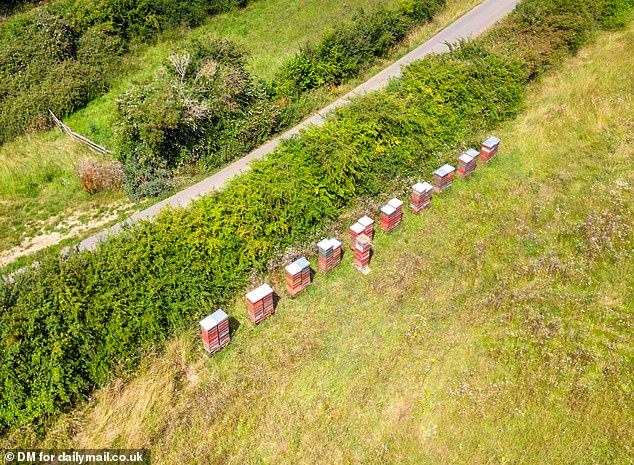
495 328
36 176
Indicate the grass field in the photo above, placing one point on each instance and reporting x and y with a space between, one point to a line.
37 183
496 328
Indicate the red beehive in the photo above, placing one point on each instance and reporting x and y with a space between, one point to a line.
355 230
466 165
421 196
215 331
390 218
260 303
443 177
489 149
329 254
297 276
368 225
362 248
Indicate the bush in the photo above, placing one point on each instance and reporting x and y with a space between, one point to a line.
97 175
203 108
84 40
72 324
542 32
351 47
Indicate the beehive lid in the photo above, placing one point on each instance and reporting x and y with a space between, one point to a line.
388 210
335 243
396 203
465 158
444 170
357 228
213 320
325 244
365 221
258 294
293 269
491 142
302 263
422 187
473 152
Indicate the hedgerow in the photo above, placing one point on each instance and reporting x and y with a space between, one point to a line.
343 52
72 324
61 56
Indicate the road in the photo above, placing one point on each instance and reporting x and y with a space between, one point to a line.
469 25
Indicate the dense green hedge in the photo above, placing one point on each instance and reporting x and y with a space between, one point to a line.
63 55
350 47
70 325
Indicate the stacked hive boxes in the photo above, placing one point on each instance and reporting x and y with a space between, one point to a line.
489 149
368 225
421 196
355 230
215 331
398 206
297 276
329 254
391 215
260 303
466 165
362 252
443 177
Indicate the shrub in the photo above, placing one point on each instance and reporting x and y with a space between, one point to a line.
203 108
87 37
350 47
97 175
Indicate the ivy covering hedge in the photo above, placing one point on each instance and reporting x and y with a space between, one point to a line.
70 325
63 55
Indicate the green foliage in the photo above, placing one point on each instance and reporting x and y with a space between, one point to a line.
204 107
71 324
342 53
63 55
9 6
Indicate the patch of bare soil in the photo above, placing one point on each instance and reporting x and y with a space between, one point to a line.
61 227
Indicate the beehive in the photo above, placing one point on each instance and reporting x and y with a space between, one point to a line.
215 331
489 149
421 196
443 177
260 303
362 251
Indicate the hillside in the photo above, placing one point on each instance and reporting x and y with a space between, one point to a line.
494 328
42 200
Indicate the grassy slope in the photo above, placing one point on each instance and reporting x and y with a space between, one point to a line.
494 328
271 30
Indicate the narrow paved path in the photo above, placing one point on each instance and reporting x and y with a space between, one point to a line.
471 24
